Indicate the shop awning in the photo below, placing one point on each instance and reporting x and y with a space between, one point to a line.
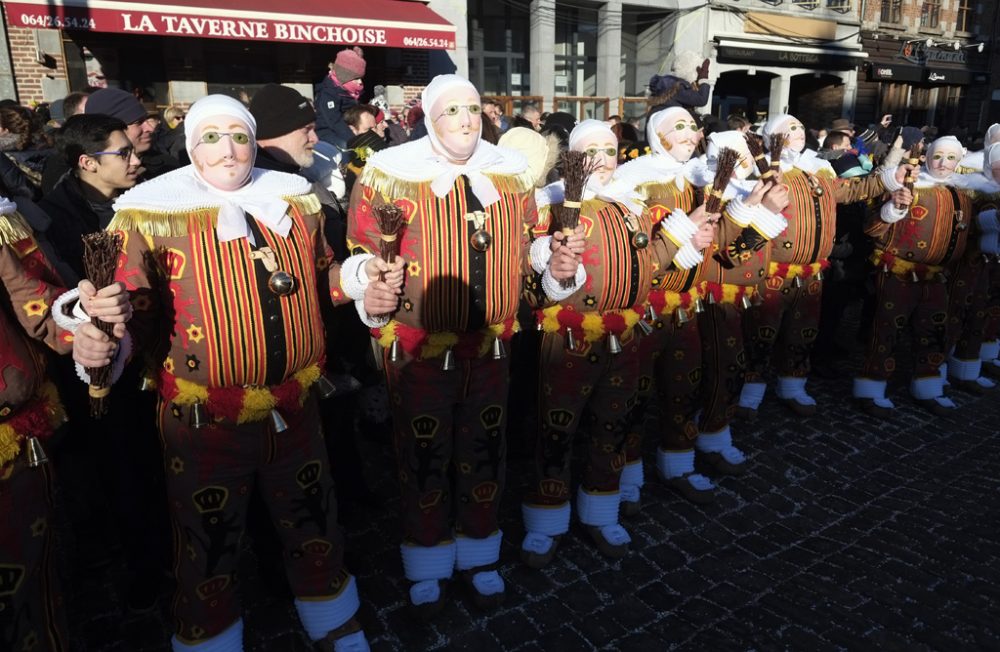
784 54
385 23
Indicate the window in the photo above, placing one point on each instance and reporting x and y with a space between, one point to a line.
892 11
930 13
840 6
963 22
806 4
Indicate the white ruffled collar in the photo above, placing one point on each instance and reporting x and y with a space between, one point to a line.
181 190
615 192
659 168
417 162
976 182
807 160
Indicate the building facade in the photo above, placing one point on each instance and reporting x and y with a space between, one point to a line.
929 62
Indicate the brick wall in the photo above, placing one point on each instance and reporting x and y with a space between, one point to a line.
28 71
910 17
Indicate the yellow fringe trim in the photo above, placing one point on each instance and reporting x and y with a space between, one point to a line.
177 224
10 439
794 270
257 401
593 322
13 229
390 186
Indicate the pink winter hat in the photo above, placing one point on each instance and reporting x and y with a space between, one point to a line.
349 65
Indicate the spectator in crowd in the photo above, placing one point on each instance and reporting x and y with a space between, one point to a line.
737 123
686 86
367 138
396 133
533 115
75 103
339 91
170 138
494 111
21 142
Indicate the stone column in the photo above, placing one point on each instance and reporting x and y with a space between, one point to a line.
850 93
780 88
542 42
609 49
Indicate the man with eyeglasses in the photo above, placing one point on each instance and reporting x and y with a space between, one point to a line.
468 209
122 446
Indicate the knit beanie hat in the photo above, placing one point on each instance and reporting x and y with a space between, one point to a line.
117 104
349 65
280 110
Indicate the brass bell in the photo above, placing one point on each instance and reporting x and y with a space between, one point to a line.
745 302
395 352
699 306
570 340
758 299
614 344
819 275
640 240
198 418
449 360
499 352
650 313
481 240
885 269
644 326
36 454
539 327
711 298
797 282
281 283
278 422
913 276
147 384
377 354
681 316
324 387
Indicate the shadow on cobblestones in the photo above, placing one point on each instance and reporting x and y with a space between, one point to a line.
846 533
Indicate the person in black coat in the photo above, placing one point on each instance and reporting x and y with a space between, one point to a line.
339 90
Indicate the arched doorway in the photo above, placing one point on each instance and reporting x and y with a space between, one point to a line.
739 92
816 99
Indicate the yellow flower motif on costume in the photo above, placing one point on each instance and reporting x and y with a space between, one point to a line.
889 305
177 465
38 527
547 389
195 334
465 468
585 390
191 552
36 308
615 381
730 342
921 244
678 355
413 269
168 365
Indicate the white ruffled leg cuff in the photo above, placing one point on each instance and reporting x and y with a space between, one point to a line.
890 214
117 365
353 280
320 617
541 253
229 640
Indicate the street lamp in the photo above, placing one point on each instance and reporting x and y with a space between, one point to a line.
978 47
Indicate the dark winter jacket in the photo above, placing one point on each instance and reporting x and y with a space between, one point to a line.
331 102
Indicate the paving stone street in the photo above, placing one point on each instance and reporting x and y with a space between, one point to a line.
846 533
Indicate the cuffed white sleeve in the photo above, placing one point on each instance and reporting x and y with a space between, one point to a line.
555 291
988 222
678 227
376 321
687 257
117 365
353 279
768 224
889 180
540 253
740 212
69 322
890 214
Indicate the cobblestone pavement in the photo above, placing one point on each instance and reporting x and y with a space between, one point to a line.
846 533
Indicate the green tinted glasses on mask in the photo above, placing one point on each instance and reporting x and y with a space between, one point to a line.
453 109
212 137
594 151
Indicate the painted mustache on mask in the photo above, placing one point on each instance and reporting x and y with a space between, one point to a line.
226 159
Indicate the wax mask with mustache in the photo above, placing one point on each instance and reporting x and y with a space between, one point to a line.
942 161
679 136
456 123
223 152
602 150
795 135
